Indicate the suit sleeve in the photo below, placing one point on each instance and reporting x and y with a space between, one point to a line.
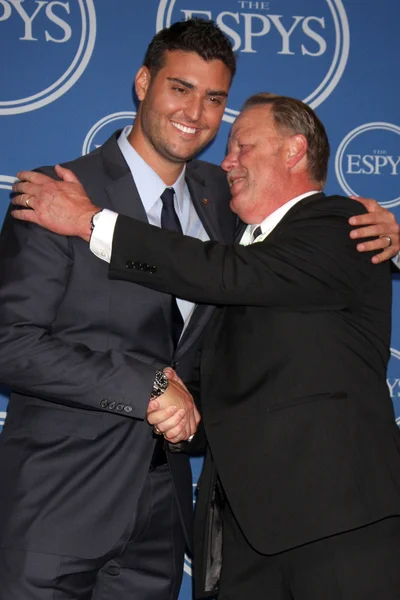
35 266
308 261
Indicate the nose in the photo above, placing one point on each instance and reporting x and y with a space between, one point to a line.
194 108
229 162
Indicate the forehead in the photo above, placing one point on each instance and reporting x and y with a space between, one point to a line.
190 67
257 120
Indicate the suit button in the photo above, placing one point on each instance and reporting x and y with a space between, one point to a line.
174 365
128 409
120 406
112 405
103 404
152 269
129 264
137 265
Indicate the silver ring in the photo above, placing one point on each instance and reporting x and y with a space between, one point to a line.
388 238
27 201
157 431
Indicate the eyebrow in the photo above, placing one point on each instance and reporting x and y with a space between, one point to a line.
191 86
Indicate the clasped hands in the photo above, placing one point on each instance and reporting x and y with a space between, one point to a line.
174 413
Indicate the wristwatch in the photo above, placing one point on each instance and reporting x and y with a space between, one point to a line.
160 384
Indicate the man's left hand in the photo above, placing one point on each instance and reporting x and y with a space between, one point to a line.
380 223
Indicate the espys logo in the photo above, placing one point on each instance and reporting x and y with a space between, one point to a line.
274 40
394 386
5 188
367 162
102 130
51 44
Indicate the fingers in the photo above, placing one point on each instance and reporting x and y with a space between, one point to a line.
66 174
370 204
173 376
381 243
174 428
33 177
373 231
165 418
25 215
384 218
170 373
382 256
23 190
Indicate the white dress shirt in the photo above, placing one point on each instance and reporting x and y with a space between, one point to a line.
271 221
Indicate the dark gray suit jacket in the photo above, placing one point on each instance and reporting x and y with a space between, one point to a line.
80 353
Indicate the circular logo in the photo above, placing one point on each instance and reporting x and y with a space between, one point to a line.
58 36
102 130
367 162
272 41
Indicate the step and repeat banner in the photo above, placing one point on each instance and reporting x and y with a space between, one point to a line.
67 69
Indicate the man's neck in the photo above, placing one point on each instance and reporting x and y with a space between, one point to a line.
167 170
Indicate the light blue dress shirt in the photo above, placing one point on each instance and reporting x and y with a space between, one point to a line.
150 187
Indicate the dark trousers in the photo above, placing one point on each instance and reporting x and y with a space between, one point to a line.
362 564
146 565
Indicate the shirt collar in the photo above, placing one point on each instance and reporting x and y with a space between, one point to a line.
274 218
149 185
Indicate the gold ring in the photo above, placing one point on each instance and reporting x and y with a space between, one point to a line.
27 201
157 431
388 238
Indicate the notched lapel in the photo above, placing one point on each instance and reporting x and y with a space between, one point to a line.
122 191
125 198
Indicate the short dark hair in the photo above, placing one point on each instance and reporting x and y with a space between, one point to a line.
294 116
200 36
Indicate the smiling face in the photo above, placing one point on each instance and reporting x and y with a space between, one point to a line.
257 165
181 108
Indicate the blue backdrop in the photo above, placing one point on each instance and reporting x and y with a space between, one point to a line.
67 69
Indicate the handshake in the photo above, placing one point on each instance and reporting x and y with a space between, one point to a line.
174 414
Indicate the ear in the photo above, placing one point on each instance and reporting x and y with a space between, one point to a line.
297 149
142 82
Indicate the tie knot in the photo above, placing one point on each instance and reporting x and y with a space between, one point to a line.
167 197
257 231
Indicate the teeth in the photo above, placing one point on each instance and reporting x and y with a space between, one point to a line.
183 128
233 181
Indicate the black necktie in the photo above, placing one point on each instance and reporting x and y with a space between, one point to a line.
256 233
170 220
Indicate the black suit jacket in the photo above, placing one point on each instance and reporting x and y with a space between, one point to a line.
293 375
80 352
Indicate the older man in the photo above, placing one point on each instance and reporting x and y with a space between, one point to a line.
304 450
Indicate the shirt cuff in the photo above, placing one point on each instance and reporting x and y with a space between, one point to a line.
102 235
396 260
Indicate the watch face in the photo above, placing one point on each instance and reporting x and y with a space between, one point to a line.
161 380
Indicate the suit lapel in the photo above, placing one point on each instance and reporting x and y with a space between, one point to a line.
204 201
121 189
204 205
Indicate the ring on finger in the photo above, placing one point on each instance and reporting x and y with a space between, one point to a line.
388 238
27 201
157 431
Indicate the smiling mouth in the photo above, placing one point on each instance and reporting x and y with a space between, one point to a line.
233 181
184 128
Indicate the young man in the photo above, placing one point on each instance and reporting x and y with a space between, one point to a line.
92 504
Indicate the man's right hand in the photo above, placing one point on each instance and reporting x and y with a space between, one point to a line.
60 206
174 412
